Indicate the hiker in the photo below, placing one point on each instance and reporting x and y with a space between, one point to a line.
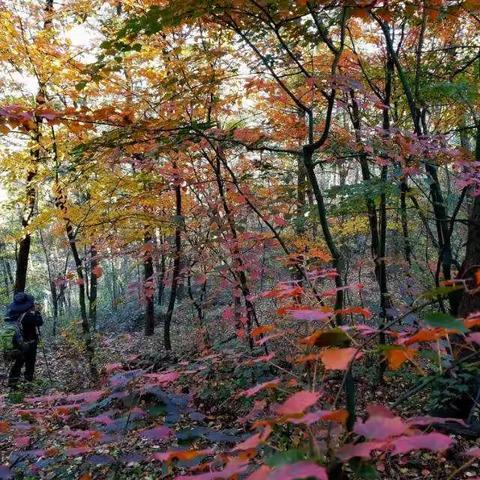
24 306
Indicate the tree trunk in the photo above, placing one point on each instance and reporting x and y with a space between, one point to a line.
52 283
161 278
337 259
24 244
445 257
31 194
236 253
89 345
92 299
176 266
148 288
114 284
470 301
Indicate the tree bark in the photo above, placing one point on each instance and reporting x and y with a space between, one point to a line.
176 265
92 299
470 301
31 194
148 290
89 345
235 251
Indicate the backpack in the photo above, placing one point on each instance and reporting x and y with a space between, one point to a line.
12 343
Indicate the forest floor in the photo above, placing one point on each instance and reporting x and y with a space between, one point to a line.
158 419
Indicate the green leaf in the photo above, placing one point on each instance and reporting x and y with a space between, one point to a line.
80 86
440 291
444 320
157 410
363 470
334 337
284 458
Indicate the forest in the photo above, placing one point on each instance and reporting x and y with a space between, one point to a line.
240 239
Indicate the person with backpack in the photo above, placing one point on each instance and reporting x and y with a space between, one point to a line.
23 319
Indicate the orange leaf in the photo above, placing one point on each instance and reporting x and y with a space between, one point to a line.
4 427
339 358
339 416
52 452
312 339
396 357
471 5
428 335
472 321
181 454
261 330
359 13
312 357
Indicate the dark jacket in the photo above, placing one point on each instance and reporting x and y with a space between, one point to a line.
30 322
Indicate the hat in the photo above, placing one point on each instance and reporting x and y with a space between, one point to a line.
22 302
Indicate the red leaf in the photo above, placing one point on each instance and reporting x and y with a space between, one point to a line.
97 271
228 314
45 398
473 452
233 467
163 378
254 441
298 403
310 315
339 358
21 442
279 221
284 291
260 474
113 367
257 388
381 427
362 450
474 337
103 419
298 470
75 451
365 312
90 396
263 358
435 442
339 416
84 434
